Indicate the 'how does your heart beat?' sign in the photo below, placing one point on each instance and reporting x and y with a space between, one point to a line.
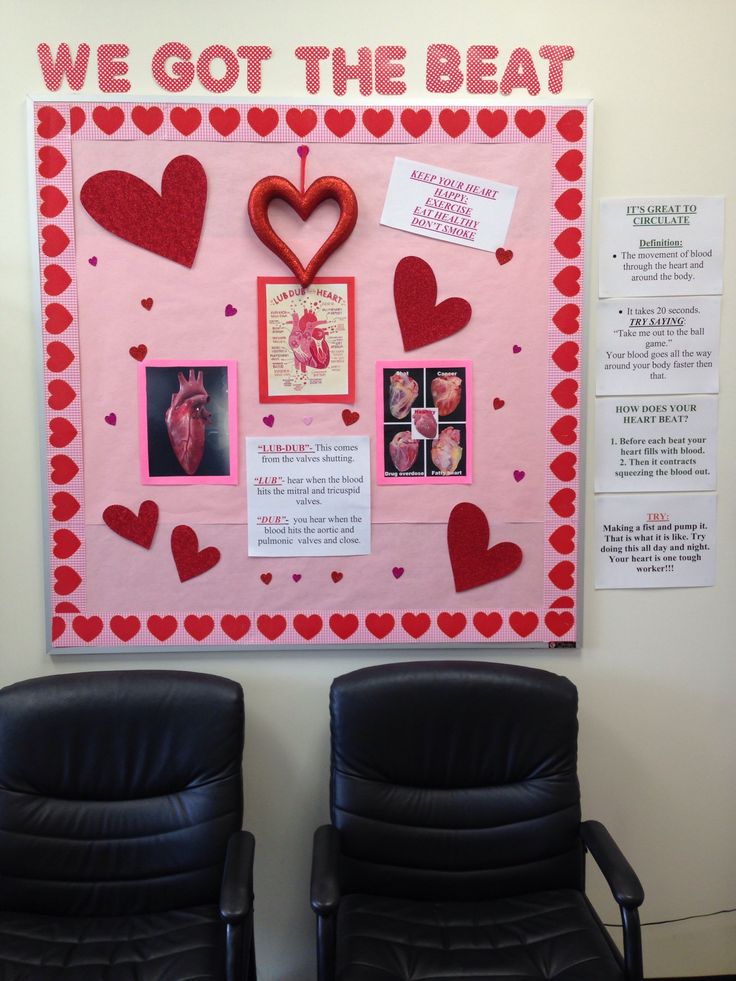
481 69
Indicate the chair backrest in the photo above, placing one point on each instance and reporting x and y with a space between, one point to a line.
455 780
118 790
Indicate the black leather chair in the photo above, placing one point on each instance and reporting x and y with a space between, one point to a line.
121 854
456 849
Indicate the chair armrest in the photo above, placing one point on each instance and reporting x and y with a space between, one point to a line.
325 882
623 881
236 894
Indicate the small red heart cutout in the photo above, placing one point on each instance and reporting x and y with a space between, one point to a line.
266 577
380 624
301 121
336 576
262 121
125 628
569 165
50 122
87 627
492 121
59 356
416 624
162 627
566 393
190 561
235 627
563 466
199 627
62 432
564 430
271 626
416 122
67 580
487 624
570 126
61 394
77 118
563 502
147 120
137 528
66 543
530 122
567 243
56 280
523 623
339 121
567 318
138 352
185 120
503 256
53 201
349 417
58 318
421 319
567 281
473 562
378 121
562 539
569 203
454 122
561 575
498 403
566 356
52 162
108 118
225 121
344 626
308 626
63 469
65 506
55 240
147 303
452 624
563 603
559 623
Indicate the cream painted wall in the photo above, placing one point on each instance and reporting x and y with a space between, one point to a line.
656 671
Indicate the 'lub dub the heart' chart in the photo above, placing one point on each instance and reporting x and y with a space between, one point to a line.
311 374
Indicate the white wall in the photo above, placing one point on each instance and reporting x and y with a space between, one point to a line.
656 671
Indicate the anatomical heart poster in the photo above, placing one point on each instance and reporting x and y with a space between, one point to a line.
310 373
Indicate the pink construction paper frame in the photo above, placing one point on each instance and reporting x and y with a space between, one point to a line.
107 593
174 478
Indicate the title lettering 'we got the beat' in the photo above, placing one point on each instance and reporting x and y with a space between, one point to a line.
478 70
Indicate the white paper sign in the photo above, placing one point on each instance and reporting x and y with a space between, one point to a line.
661 246
650 540
308 495
658 347
448 205
647 444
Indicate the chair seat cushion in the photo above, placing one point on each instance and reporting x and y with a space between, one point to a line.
182 945
541 935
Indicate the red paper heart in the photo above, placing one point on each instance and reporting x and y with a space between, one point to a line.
566 356
67 580
55 240
66 543
147 303
473 562
108 118
77 118
561 575
416 122
62 432
59 356
416 624
301 121
563 430
61 394
52 162
189 560
56 280
498 403
565 394
66 607
492 121
340 121
185 120
530 122
225 121
266 577
563 466
454 122
58 318
307 626
271 627
349 417
568 203
336 576
162 627
344 626
50 122
569 165
487 624
53 201
567 281
87 627
559 623
563 502
235 627
199 627
563 603
169 224
452 624
262 121
65 506
148 120
137 528
304 203
63 469
58 626
378 121
570 126
125 628
566 318
567 243
380 624
503 256
523 623
562 539
138 352
421 319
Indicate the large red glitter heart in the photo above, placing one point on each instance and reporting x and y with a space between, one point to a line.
169 223
421 319
473 563
304 203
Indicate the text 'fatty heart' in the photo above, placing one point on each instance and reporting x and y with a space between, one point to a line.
421 319
473 562
169 223
304 203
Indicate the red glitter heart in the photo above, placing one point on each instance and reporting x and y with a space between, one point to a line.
137 528
169 223
304 203
503 256
138 352
421 319
189 560
349 417
473 562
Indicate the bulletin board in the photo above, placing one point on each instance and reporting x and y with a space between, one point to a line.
340 412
